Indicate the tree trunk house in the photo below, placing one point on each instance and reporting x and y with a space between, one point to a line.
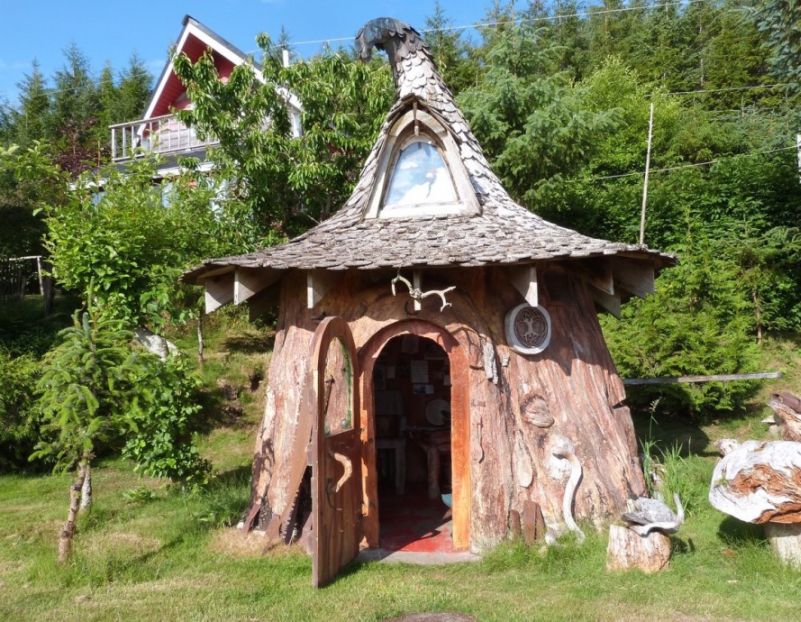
437 348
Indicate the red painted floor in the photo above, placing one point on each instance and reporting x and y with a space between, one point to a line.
414 523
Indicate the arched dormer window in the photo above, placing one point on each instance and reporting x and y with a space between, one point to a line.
420 172
419 177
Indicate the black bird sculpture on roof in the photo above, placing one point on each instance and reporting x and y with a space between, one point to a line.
398 39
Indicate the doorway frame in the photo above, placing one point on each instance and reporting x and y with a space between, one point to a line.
460 426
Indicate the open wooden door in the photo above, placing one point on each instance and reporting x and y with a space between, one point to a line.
336 451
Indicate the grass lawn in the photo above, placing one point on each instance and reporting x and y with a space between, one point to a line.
148 551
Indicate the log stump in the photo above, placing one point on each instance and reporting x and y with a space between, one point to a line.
785 540
628 551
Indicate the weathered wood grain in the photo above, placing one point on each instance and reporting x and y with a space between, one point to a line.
628 551
759 482
514 406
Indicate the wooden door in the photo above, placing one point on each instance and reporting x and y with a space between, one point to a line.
336 451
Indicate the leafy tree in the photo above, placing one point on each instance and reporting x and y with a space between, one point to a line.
108 96
697 322
28 181
448 50
94 389
532 126
131 241
778 21
135 85
288 182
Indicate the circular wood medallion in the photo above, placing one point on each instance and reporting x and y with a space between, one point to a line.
528 329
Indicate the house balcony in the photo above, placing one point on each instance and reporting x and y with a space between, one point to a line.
164 135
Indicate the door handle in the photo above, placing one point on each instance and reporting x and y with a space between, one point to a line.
347 465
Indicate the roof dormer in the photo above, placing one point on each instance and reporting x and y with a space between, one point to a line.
420 171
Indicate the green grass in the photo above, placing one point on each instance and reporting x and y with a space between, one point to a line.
149 551
168 555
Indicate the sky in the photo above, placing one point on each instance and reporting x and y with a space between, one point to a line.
110 30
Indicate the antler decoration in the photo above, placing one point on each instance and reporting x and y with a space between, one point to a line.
418 294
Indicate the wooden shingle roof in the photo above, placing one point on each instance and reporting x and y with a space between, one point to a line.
502 233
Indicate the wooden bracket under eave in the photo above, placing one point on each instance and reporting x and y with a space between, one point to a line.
250 281
318 284
634 276
525 281
598 273
607 302
219 291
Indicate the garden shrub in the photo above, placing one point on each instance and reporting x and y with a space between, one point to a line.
19 424
698 321
163 414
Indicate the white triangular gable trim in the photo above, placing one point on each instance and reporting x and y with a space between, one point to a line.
192 28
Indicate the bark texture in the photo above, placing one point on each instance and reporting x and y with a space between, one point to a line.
520 408
86 490
68 531
628 551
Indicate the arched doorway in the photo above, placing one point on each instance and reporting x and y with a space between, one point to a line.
430 353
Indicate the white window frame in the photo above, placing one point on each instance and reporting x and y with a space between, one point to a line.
415 125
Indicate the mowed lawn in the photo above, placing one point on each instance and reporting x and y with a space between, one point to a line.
150 552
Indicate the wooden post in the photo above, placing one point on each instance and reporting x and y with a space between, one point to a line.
785 540
647 171
798 149
39 272
200 341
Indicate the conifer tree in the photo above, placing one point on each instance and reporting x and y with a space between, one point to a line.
33 114
134 90
75 112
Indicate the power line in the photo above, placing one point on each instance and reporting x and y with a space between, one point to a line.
517 20
734 88
682 166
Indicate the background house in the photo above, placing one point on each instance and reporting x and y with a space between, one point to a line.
159 131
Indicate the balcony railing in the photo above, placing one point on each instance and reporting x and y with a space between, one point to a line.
163 135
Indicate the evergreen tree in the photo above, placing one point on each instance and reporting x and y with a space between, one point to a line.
76 112
135 87
33 114
108 98
448 50
778 21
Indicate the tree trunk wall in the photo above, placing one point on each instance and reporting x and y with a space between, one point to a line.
573 381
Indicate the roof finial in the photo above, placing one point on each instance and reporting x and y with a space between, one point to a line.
398 39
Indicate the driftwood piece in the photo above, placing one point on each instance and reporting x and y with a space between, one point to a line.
629 551
785 540
787 414
759 482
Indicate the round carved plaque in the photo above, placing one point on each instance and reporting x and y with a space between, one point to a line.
528 329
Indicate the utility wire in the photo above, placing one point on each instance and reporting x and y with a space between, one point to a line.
682 166
491 24
734 88
518 20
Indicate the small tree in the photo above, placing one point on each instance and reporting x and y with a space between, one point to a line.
84 386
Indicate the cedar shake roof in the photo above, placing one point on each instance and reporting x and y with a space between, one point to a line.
502 233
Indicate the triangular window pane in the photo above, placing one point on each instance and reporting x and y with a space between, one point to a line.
420 177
